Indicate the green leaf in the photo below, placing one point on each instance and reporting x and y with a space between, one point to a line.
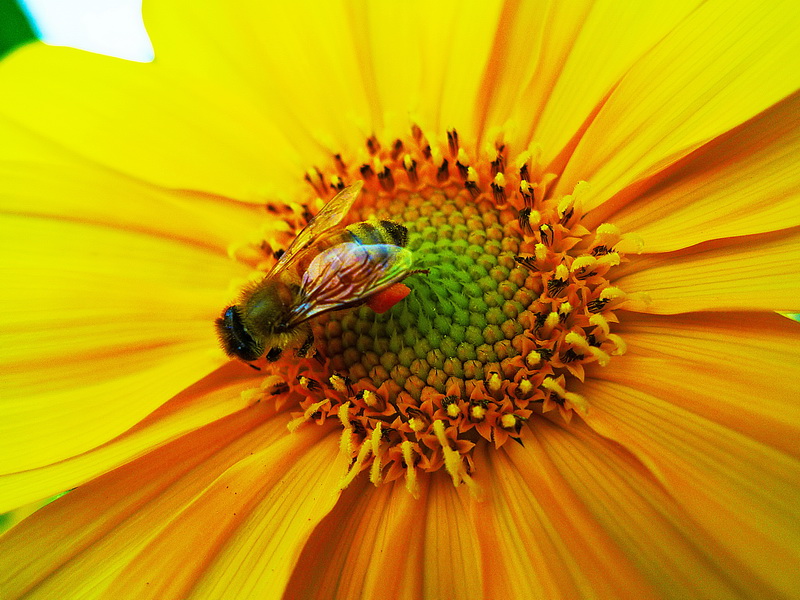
15 28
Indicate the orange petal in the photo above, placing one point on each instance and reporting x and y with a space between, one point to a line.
451 553
259 514
743 182
735 490
214 397
756 272
241 490
369 546
82 540
538 538
735 369
680 555
159 125
722 64
99 328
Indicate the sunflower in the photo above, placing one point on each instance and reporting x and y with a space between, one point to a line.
586 392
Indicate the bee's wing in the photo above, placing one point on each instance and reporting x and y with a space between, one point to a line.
330 216
347 274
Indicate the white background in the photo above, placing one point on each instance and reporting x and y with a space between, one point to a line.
111 27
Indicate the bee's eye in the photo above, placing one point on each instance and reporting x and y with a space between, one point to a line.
235 339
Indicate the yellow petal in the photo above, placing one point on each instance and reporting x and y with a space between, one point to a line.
737 491
298 66
724 63
367 547
140 119
426 59
213 398
99 327
552 63
680 555
742 182
736 369
541 540
38 177
757 272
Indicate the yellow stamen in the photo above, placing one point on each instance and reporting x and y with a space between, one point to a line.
607 234
609 260
523 159
346 441
577 401
370 398
602 358
508 421
375 469
495 381
411 472
550 323
338 382
583 262
621 346
612 293
533 359
600 321
252 395
416 425
436 157
565 206
363 454
307 414
578 341
477 412
452 459
562 273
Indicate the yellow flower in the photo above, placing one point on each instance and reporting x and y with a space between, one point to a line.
605 197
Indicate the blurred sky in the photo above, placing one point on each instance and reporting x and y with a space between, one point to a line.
111 27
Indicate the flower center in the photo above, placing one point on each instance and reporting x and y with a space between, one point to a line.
515 301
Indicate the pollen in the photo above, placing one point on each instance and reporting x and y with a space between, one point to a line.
510 301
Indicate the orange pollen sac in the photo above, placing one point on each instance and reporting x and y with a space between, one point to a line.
508 301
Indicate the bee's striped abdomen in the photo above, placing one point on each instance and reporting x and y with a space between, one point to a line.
370 233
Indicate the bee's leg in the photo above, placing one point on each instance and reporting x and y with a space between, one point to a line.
274 354
303 351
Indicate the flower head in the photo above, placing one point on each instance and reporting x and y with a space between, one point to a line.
569 379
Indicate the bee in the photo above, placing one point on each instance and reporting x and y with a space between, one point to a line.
327 267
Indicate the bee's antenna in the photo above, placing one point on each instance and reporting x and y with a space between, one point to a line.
252 366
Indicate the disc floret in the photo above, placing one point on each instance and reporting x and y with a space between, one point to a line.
515 301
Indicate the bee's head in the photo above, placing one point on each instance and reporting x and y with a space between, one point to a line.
235 339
